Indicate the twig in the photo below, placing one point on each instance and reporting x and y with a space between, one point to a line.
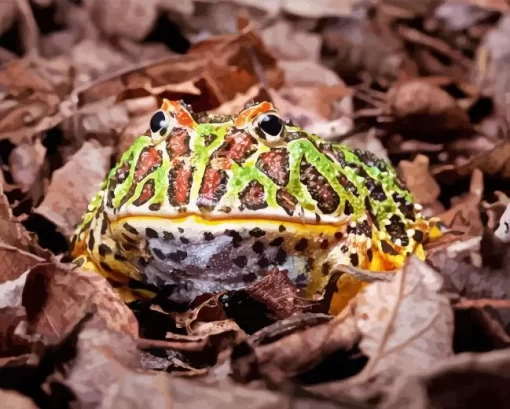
465 304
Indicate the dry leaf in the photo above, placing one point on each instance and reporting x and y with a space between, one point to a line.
407 324
57 296
419 181
309 73
26 161
74 185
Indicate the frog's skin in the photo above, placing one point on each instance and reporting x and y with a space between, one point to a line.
208 203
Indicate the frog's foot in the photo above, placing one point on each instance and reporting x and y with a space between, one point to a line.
128 289
376 254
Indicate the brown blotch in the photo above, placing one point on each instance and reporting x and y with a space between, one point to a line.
370 255
257 232
336 155
104 250
387 248
258 247
263 262
324 244
208 236
319 188
155 207
348 185
130 228
418 236
106 267
354 259
179 184
214 186
301 245
286 201
178 143
153 234
253 196
326 268
122 172
275 165
281 256
276 242
238 146
240 261
148 191
150 159
168 236
178 256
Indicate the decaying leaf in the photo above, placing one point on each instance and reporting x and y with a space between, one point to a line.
57 296
407 324
26 161
74 185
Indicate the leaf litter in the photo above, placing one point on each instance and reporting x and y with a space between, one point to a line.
421 84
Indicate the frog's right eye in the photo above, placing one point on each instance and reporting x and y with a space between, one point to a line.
161 123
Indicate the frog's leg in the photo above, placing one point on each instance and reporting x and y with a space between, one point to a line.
371 249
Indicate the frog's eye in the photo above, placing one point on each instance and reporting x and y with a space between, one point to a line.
269 126
161 123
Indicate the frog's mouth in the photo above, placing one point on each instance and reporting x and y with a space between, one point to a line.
202 222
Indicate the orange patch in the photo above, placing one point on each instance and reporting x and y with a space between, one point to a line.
182 115
246 116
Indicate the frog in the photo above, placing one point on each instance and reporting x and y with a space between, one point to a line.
209 203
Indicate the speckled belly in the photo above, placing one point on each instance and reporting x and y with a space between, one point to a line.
224 256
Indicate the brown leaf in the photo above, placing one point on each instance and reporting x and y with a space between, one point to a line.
310 341
57 296
277 292
494 162
26 161
422 107
464 215
407 324
15 262
287 43
15 400
484 383
420 182
74 185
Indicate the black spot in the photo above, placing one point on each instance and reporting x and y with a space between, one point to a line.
119 257
181 230
128 239
104 250
104 226
370 255
309 263
405 241
184 240
153 234
324 244
386 247
282 228
130 228
354 259
159 254
240 261
168 235
208 236
106 267
277 242
263 262
338 235
301 245
237 239
344 249
348 210
281 256
418 236
155 207
248 278
178 256
326 268
91 241
258 247
257 232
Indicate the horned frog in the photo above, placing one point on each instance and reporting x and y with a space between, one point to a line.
207 203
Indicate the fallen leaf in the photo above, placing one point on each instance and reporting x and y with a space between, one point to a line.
276 353
278 293
57 296
407 324
310 73
73 186
419 181
422 107
441 385
367 141
26 161
287 43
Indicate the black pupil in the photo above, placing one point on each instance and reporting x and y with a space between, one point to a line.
158 121
271 124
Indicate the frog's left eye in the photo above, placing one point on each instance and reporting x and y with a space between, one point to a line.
161 123
269 126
